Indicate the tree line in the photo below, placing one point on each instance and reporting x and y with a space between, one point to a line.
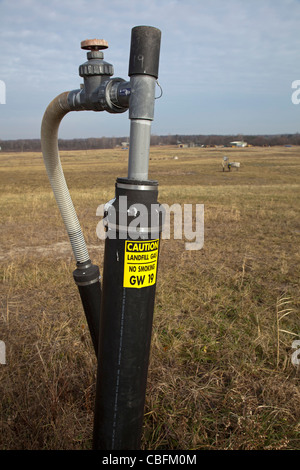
34 145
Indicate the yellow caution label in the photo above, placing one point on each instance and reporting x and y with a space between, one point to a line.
140 263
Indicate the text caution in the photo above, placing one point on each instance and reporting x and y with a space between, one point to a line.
140 263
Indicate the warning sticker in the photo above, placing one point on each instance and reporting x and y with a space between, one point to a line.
140 263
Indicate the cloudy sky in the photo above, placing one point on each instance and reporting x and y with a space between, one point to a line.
226 67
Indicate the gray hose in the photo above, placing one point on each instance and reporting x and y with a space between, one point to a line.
54 113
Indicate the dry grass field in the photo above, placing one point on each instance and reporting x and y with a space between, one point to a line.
220 374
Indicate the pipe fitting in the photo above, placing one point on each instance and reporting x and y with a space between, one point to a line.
99 91
143 72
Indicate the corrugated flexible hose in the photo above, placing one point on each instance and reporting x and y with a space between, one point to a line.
54 113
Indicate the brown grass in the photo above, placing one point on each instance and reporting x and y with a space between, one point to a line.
220 374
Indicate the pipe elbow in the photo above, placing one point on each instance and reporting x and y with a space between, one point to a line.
53 115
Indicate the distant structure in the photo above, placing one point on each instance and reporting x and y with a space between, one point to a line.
182 145
238 143
124 145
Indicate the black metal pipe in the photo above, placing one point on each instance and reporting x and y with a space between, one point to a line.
130 268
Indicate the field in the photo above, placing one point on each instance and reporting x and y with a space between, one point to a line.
221 374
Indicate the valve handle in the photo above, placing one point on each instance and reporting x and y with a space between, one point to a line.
94 44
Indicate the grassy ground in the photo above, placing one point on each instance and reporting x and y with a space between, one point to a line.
220 374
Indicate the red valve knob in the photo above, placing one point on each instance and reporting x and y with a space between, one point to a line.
94 44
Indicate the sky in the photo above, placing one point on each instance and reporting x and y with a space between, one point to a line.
226 67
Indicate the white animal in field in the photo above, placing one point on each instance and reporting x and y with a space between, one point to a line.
234 165
229 165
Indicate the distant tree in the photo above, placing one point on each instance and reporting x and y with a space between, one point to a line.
34 145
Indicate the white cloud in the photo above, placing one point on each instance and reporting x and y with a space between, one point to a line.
209 48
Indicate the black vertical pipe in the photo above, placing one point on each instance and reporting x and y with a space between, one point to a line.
124 341
127 295
87 278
